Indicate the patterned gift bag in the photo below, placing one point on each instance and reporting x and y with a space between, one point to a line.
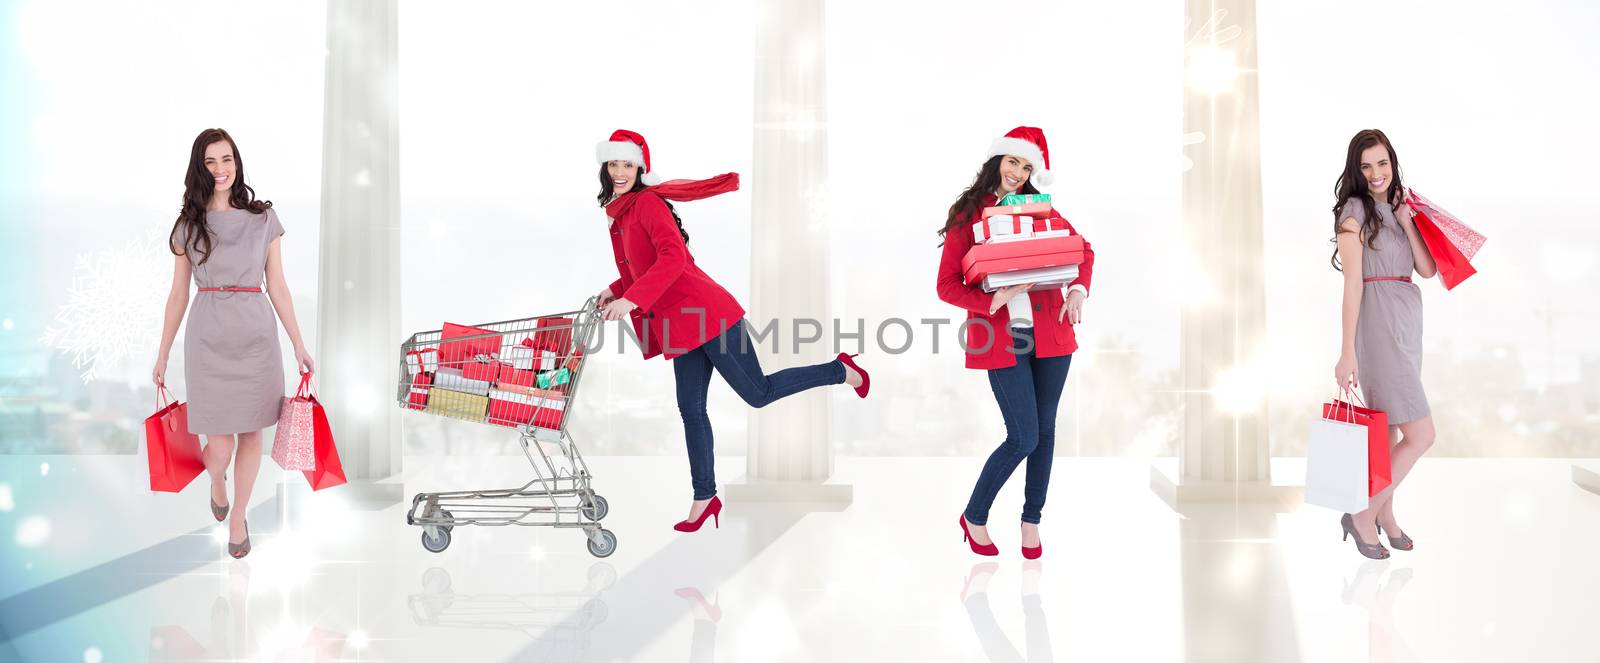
294 445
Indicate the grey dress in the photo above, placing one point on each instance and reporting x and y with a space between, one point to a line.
232 367
1389 329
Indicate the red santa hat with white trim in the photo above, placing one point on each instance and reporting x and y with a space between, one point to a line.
628 146
1028 143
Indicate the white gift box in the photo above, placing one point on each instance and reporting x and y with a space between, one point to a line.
514 397
425 360
1045 277
1007 228
1037 234
519 357
454 380
1001 227
1336 466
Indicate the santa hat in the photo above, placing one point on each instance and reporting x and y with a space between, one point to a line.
628 146
1028 143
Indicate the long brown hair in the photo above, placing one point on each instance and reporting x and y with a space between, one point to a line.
983 184
190 230
1352 184
638 185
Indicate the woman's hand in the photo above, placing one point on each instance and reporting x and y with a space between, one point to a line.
1345 373
1403 213
158 375
606 296
1074 307
617 309
303 360
1003 296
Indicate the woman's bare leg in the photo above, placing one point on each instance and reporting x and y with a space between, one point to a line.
245 468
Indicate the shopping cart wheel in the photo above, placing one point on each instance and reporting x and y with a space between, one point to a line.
446 515
596 509
600 545
595 612
601 577
435 539
436 581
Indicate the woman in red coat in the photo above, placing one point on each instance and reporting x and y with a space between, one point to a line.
1028 358
680 313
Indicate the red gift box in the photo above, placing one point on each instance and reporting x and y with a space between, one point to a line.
558 341
510 409
985 259
510 375
575 361
421 383
516 388
552 405
453 353
1049 223
1036 210
481 367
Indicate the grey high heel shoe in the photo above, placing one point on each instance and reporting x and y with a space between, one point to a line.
1368 550
219 512
242 548
1402 543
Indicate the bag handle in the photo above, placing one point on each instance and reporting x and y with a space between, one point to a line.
1346 400
305 386
163 397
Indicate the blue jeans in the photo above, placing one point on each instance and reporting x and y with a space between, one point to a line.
1028 394
733 355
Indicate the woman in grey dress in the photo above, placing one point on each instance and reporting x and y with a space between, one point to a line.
1381 352
227 241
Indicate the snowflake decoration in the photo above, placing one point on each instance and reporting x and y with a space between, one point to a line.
114 306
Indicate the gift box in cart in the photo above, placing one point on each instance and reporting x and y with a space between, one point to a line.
560 494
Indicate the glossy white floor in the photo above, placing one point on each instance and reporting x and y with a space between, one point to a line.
98 569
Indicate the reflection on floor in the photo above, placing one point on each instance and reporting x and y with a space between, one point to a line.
98 569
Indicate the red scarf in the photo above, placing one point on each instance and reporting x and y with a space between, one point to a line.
677 190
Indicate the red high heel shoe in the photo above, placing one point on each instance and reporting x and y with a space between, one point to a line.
1033 553
987 551
866 381
712 509
712 611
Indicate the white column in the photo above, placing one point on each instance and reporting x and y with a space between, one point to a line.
359 303
790 452
1224 454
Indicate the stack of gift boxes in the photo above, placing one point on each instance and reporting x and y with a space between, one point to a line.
1022 240
521 383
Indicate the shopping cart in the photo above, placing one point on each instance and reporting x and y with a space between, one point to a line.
558 617
519 374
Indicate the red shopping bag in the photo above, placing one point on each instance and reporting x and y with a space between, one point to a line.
1377 424
452 354
328 471
1451 243
173 451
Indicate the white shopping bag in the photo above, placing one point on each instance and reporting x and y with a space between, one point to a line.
1336 466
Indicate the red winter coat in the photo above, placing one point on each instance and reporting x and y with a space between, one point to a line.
1050 337
679 306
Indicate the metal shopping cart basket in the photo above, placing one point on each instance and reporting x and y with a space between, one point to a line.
519 374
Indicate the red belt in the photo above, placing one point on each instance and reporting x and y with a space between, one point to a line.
230 289
1407 279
